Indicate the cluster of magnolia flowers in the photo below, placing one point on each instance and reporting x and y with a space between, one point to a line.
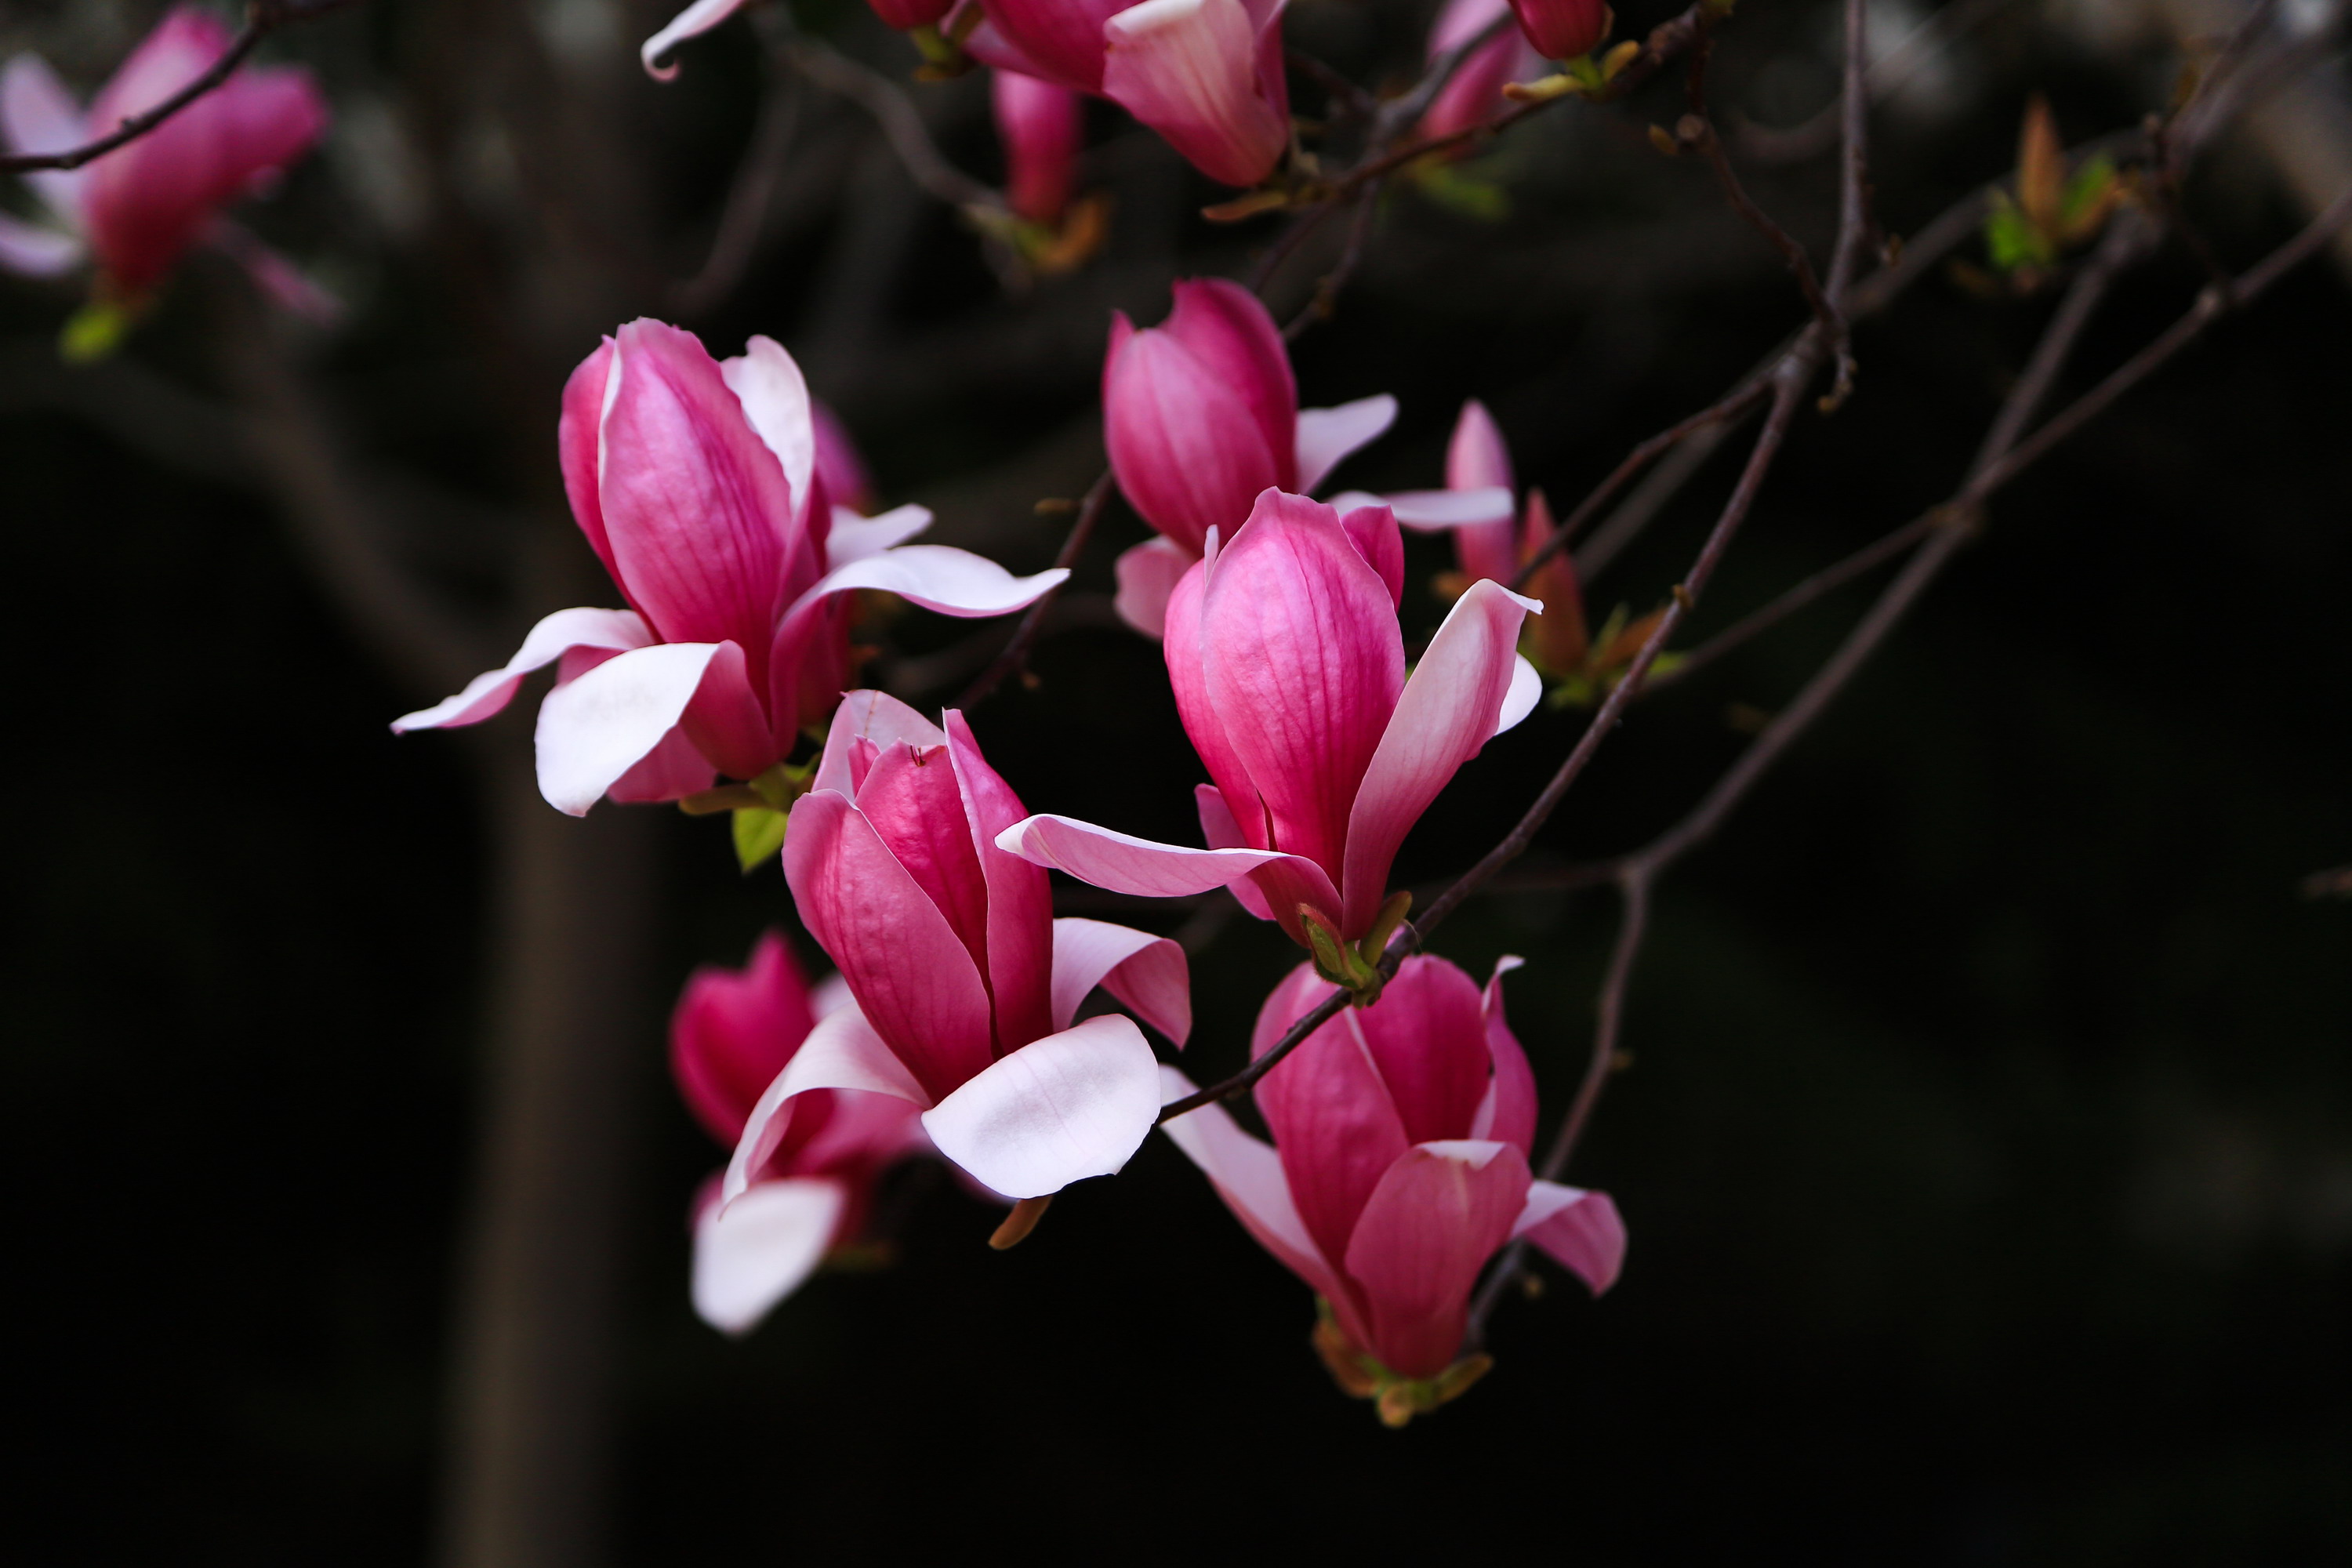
953 1027
731 510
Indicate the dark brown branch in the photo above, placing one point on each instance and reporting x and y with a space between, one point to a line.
1025 635
262 17
748 198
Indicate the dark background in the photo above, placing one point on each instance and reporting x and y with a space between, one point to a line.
1986 1148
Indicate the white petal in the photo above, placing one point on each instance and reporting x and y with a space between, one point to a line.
1069 1106
752 1253
775 400
33 251
38 115
1527 690
1148 972
697 18
939 577
1328 435
1146 574
600 726
550 640
854 538
1432 510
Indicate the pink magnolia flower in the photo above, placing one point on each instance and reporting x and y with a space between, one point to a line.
1200 415
1402 1137
137 209
1039 124
733 1031
1563 29
965 985
697 486
1207 75
1475 93
1289 672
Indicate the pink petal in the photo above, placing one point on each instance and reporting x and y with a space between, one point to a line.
1372 530
1221 830
915 981
1581 1230
733 1030
1189 453
1438 1213
854 538
1020 963
726 722
32 251
576 442
1476 91
1301 661
1247 1174
695 506
555 636
37 114
1507 1111
864 1134
1125 864
1333 1120
1055 40
911 799
1147 973
1185 652
940 578
1040 127
692 21
1427 1036
671 770
776 404
1229 331
1447 712
1477 456
145 203
1147 574
1069 1106
750 1254
843 1051
1327 435
1189 69
1563 29
876 719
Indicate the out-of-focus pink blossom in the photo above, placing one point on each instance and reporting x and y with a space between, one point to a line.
1563 29
965 986
704 14
1289 673
1040 126
1403 1134
138 208
1200 415
1475 92
1476 459
697 486
733 1031
1205 74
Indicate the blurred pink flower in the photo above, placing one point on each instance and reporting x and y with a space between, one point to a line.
1039 124
137 209
733 1031
1475 92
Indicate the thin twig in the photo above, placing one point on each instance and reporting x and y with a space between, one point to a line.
894 113
1327 287
748 200
1016 652
262 17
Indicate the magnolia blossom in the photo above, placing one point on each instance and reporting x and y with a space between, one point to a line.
1040 125
1205 74
1402 1137
1563 29
698 485
135 210
1475 92
965 985
734 1030
1289 673
1200 415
